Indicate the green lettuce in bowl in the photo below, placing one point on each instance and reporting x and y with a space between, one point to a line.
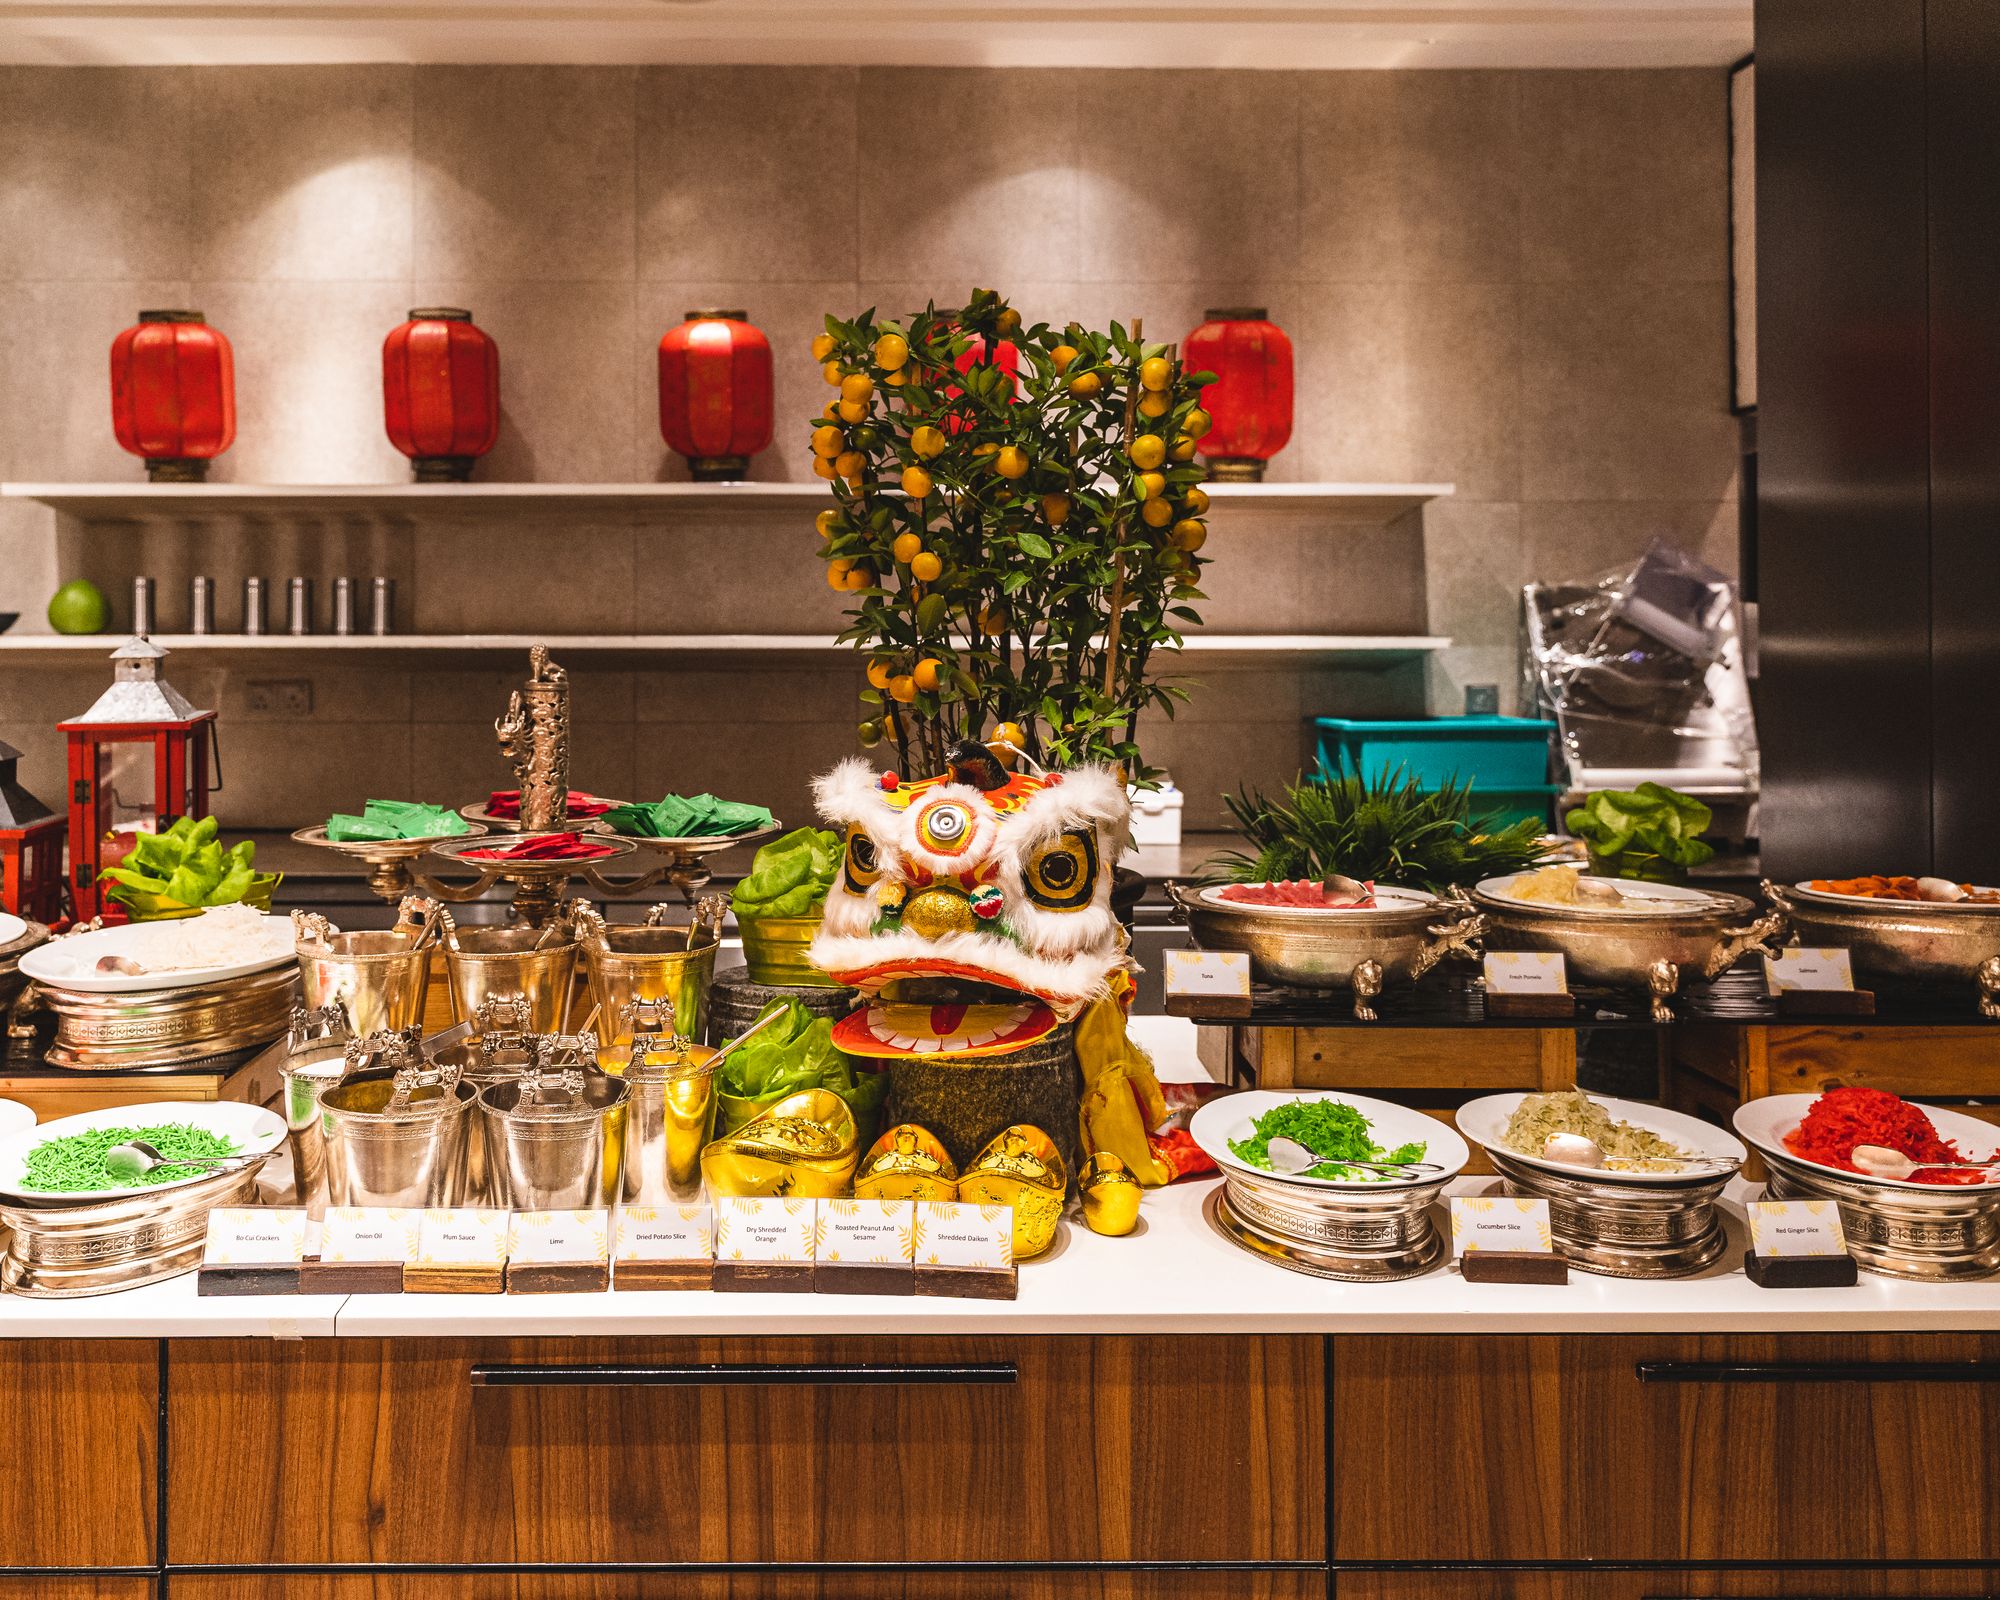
1651 834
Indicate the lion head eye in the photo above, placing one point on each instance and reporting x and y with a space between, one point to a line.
945 827
864 863
1062 875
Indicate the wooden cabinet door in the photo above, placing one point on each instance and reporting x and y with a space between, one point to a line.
92 1588
1023 1585
1757 1449
1680 1583
80 1420
875 1450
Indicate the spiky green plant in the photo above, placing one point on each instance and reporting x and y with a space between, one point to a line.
1385 829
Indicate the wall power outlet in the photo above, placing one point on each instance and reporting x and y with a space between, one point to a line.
280 697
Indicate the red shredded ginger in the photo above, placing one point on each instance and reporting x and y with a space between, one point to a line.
1842 1118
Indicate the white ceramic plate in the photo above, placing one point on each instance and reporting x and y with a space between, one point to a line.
1484 1121
1644 898
71 963
252 1127
1232 1117
14 1117
1764 1123
1387 898
11 927
1810 892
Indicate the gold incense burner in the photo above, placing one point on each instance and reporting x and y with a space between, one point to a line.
1021 1168
805 1147
907 1163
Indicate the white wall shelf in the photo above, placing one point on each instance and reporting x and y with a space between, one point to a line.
1349 504
1350 650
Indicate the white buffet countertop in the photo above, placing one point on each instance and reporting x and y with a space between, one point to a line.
1175 1275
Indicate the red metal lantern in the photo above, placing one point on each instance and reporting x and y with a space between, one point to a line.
138 760
31 842
173 394
441 392
715 393
1006 356
1251 401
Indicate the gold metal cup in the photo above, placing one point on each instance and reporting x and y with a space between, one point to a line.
774 951
805 1146
671 966
1110 1195
907 1163
1021 1168
379 979
671 1119
503 963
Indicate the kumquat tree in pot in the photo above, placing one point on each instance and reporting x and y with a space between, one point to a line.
1018 515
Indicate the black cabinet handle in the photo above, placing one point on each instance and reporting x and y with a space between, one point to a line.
738 1375
1819 1371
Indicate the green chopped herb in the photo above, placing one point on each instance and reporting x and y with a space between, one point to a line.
75 1161
1327 1128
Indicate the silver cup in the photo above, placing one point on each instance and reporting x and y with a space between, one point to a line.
555 1152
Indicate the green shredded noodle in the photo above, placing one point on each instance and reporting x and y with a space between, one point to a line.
75 1162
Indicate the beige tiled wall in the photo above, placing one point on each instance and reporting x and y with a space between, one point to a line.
1514 281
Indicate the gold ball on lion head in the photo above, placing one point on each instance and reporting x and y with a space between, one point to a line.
1110 1195
1021 1168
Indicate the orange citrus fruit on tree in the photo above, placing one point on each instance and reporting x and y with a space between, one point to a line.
1061 357
903 687
828 523
828 440
927 442
1011 733
850 464
870 734
1189 534
1011 462
1086 385
891 351
822 346
856 386
853 410
859 578
1009 321
907 547
1148 451
1151 485
1155 372
836 573
824 467
1198 422
916 482
1156 513
1154 405
831 372
1055 507
1197 501
878 672
926 568
926 673
1183 449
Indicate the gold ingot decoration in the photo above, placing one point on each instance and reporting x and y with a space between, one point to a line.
805 1147
1021 1168
907 1163
1110 1195
936 912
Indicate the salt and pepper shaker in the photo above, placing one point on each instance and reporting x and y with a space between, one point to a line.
142 605
201 605
299 606
382 606
253 605
343 606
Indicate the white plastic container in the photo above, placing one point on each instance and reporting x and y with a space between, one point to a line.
1156 814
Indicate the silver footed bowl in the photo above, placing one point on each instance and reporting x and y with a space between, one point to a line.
1650 950
1903 941
1351 951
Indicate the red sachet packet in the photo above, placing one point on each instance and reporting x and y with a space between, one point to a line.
544 847
506 804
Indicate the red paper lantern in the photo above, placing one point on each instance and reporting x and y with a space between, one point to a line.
1251 400
1007 357
715 393
173 394
441 392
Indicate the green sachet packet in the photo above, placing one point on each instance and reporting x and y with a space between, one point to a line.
676 816
395 819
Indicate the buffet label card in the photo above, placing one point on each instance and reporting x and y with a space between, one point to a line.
1500 1223
1796 1228
761 1228
541 1238
1208 973
868 1231
1806 967
956 1233
254 1236
665 1233
463 1236
1525 972
370 1234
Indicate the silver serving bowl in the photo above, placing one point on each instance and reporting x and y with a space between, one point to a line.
1934 1234
1355 951
170 1027
11 981
1636 949
1362 1233
1906 941
1626 1230
58 1252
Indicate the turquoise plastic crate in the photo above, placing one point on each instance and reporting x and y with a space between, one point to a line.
1505 759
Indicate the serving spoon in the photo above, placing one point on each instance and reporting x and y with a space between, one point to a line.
1288 1158
1879 1161
131 1161
1580 1150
